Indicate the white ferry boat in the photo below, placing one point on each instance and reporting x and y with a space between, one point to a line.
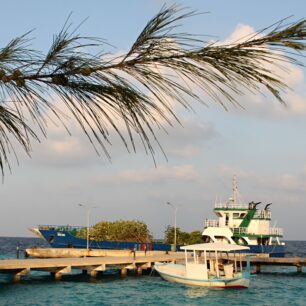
244 224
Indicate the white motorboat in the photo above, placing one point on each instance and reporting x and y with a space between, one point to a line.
209 265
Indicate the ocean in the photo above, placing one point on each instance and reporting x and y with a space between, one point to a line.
274 286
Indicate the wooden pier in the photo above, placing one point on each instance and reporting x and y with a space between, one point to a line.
298 262
93 265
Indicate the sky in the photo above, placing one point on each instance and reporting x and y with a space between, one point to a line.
264 144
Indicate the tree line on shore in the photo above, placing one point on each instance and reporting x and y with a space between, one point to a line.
136 231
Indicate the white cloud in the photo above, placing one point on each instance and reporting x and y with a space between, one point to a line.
264 105
188 140
159 174
285 182
241 32
291 182
228 171
63 149
187 151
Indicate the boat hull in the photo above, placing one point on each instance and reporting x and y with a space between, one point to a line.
64 239
271 250
216 283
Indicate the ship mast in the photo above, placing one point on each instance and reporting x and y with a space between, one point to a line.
235 190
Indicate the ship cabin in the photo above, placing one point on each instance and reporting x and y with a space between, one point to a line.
240 223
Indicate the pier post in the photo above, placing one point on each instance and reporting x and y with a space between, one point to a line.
17 252
84 272
257 268
16 278
93 273
57 275
139 270
299 268
123 271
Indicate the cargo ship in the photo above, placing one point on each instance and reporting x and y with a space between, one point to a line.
65 236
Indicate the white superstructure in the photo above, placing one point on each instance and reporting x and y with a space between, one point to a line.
241 223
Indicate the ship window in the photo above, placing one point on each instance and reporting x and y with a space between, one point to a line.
226 219
207 239
222 239
219 214
240 240
236 215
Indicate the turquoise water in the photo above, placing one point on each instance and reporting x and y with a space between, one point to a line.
275 286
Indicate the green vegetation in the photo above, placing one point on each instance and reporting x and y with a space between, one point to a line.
163 62
182 237
121 230
136 231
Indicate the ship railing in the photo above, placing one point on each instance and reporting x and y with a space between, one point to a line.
60 227
211 223
262 214
231 206
275 231
240 230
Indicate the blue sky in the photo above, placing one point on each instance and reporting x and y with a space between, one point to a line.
264 144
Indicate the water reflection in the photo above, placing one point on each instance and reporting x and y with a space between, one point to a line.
197 292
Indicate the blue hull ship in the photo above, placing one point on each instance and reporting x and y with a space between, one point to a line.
271 250
65 237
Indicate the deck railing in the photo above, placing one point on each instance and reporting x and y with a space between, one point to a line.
231 206
211 223
60 227
262 214
275 231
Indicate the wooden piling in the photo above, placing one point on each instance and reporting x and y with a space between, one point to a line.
93 273
298 268
139 270
56 275
123 271
16 278
257 268
17 275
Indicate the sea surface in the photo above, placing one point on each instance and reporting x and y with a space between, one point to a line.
275 286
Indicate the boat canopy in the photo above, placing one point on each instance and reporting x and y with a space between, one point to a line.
220 247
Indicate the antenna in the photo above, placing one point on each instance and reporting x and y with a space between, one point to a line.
235 189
